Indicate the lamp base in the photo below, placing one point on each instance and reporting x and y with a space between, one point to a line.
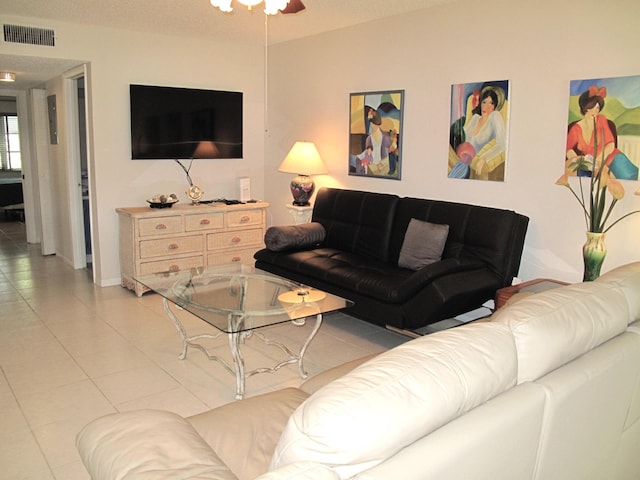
302 187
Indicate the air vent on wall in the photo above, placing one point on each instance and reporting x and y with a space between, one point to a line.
29 35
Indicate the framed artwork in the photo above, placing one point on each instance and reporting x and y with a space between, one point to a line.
612 107
478 129
375 134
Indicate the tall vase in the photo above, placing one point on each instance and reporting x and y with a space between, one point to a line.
593 253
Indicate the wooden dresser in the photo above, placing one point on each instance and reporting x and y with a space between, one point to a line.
186 236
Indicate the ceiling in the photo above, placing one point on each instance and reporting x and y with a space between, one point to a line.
170 17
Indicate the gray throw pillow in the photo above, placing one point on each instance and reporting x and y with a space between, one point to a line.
294 237
423 244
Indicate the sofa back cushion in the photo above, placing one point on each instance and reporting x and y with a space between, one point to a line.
627 278
364 417
356 222
494 236
555 327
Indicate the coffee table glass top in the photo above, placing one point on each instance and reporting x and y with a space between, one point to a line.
235 298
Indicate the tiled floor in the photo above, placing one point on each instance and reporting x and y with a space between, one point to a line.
71 351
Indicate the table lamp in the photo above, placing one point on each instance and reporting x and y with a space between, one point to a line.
303 159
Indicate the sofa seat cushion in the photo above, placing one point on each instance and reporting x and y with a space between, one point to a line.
554 327
351 272
147 444
359 420
244 434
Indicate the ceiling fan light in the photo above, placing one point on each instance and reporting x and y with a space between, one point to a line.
223 5
249 3
273 7
7 77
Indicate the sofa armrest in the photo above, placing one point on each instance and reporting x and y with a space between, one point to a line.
147 444
301 471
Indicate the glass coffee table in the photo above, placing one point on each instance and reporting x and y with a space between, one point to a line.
238 300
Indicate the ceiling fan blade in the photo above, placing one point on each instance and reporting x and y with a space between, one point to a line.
294 6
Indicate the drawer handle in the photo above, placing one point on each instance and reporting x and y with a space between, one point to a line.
235 259
205 221
174 268
236 240
161 226
245 219
173 246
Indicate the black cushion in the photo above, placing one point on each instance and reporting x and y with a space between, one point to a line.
294 237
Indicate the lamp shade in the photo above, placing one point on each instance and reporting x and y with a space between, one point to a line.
304 160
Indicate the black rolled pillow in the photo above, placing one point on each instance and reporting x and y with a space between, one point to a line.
294 237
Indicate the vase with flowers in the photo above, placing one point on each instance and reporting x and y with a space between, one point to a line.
603 193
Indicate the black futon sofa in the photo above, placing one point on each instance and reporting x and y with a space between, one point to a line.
354 243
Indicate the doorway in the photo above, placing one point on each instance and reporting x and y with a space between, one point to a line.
84 168
78 168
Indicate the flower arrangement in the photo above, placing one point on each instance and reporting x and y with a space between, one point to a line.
597 208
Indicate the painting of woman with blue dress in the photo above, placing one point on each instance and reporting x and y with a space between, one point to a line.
478 130
596 133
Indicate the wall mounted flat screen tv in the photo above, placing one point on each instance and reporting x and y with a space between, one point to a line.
184 123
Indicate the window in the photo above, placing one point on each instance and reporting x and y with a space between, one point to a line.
10 158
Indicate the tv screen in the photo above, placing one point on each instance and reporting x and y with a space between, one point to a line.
183 123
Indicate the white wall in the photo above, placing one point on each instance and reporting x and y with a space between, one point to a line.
540 46
116 59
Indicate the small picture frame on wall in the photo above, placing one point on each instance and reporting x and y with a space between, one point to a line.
53 119
375 134
478 129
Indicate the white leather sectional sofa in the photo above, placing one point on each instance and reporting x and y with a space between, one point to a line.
548 388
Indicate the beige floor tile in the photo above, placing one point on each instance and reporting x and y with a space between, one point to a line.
71 471
179 400
116 359
135 383
32 378
80 401
21 458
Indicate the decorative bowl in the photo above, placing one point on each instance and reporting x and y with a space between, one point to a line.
162 201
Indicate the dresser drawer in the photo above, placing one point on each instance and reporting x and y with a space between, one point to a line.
159 226
171 246
243 218
171 265
238 239
203 221
238 256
